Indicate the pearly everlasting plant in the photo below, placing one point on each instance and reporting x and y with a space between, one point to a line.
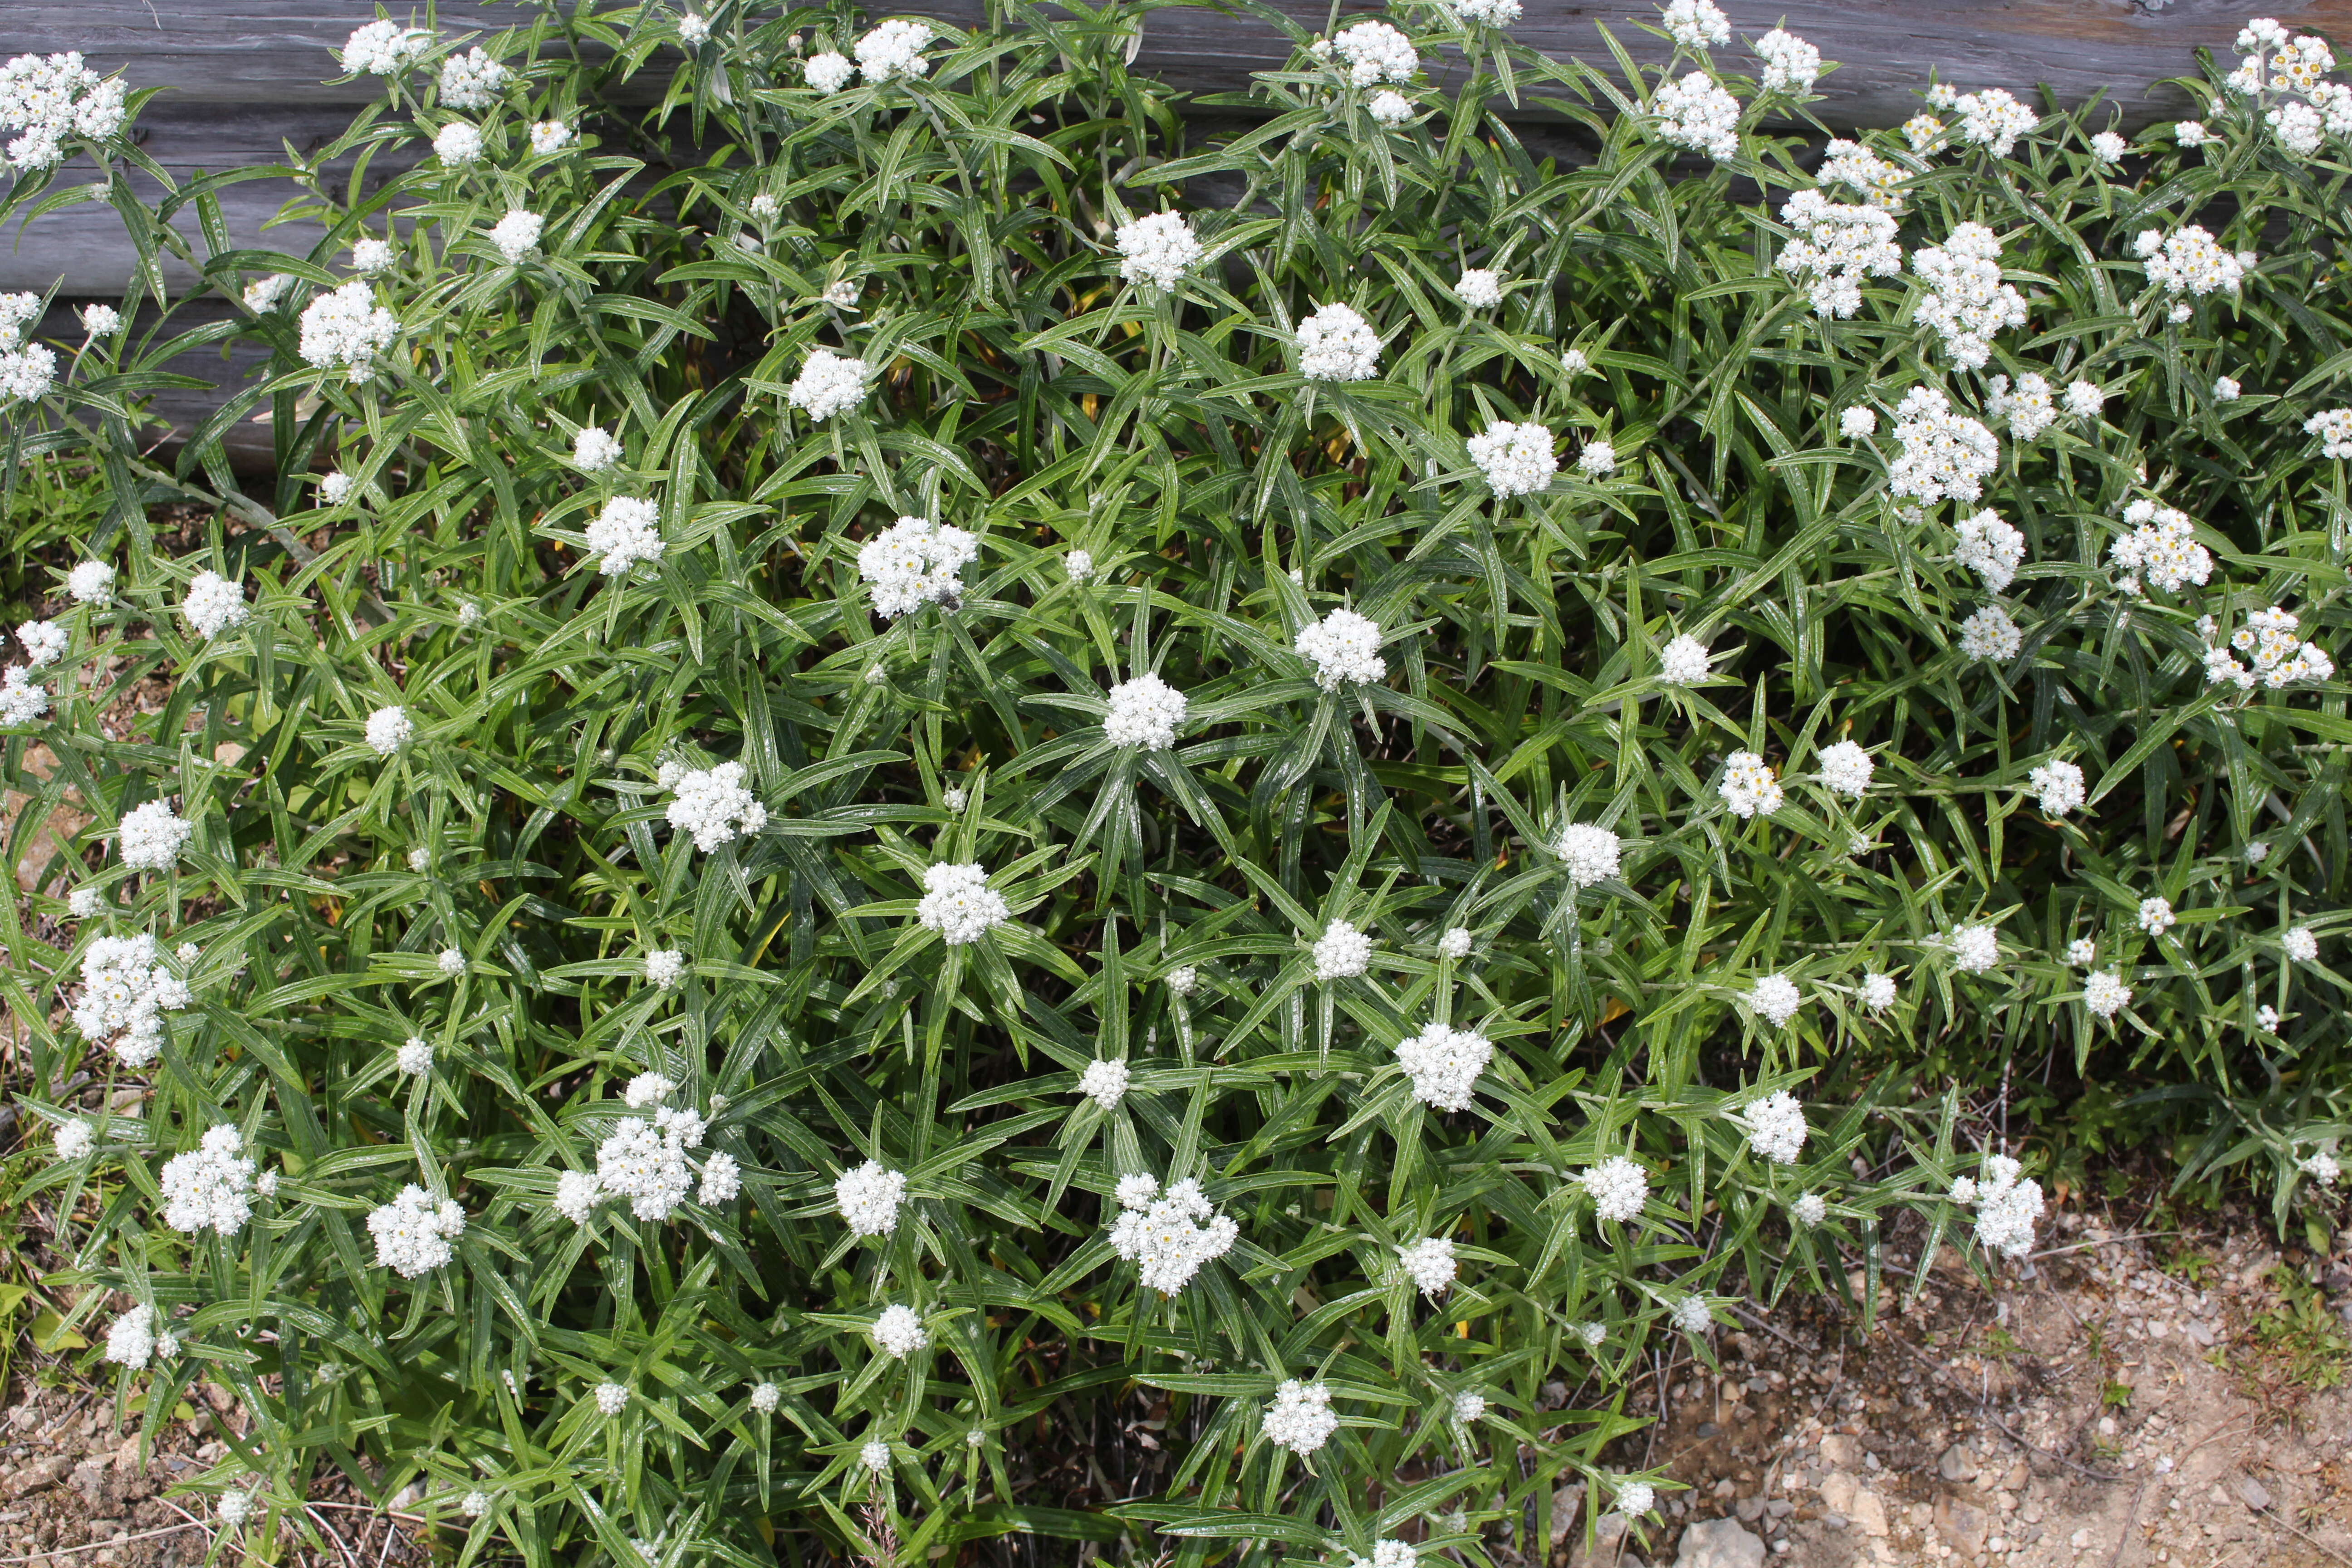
1460 658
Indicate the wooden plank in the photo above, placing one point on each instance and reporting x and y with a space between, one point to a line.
278 52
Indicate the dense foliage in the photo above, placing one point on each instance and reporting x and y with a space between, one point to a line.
857 810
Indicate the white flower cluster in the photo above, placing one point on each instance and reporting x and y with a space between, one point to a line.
1590 853
1170 1235
214 605
1990 634
914 562
1486 13
1478 287
1342 952
1943 454
959 904
28 370
1144 713
152 836
1635 1498
2334 429
1791 64
1776 1127
2161 547
1695 24
1846 768
384 48
828 72
2106 995
2007 1206
1749 787
643 1160
1156 249
828 383
346 328
516 236
893 52
1879 182
473 79
1618 1188
1372 53
51 101
1975 948
210 1187
1300 1418
595 449
1837 245
2058 787
75 1139
2280 658
1697 113
1429 1263
1444 1064
124 995
898 1332
1104 1082
1516 459
1683 661
388 728
413 1233
1776 999
712 804
22 700
414 1056
2027 408
91 582
1343 647
2189 260
1966 301
1990 548
133 1340
1335 343
1991 119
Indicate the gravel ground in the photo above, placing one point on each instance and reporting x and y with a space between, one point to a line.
2126 1400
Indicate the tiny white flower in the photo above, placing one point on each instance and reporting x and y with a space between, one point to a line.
1183 980
1157 249
875 1454
450 961
1691 1315
1777 998
1300 1418
2300 944
458 144
765 1397
626 533
1336 344
2106 995
91 582
549 136
1858 423
1479 287
1683 661
414 1056
1343 953
2059 787
1454 945
1975 948
612 1398
1469 1408
100 320
1598 460
1104 1082
516 236
893 52
1429 1263
2156 916
1590 853
152 836
869 1197
388 728
663 966
74 1140
1877 991
595 449
1618 1188
828 383
1810 1209
2082 953
828 73
1748 786
1390 107
2107 147
1575 362
214 605
899 1332
1846 769
2225 389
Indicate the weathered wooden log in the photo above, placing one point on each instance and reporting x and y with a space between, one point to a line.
247 75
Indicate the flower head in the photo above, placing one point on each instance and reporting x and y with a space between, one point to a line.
1846 769
894 51
210 1187
1516 459
1590 853
413 1231
2106 995
2058 787
1343 647
1300 1418
91 582
384 48
1429 1264
1975 948
1776 999
1144 713
153 835
1479 289
899 1332
1157 249
869 1198
1335 343
959 904
828 383
346 329
1170 1234
1699 114
914 562
1104 1082
1748 786
388 728
1618 1188
828 73
1991 635
1343 953
414 1056
1372 53
214 605
516 236
1443 1063
1943 454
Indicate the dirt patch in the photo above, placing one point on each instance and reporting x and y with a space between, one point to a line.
2126 1401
